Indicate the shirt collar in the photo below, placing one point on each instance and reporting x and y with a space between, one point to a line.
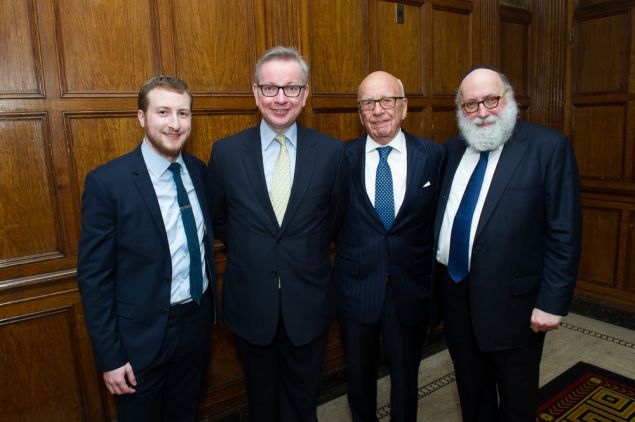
267 135
398 143
156 164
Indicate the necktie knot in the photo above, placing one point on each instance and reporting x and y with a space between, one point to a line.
281 139
175 168
383 153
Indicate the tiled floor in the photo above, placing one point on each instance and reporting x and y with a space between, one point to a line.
579 339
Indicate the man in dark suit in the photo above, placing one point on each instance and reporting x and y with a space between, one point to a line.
509 232
278 198
143 265
384 250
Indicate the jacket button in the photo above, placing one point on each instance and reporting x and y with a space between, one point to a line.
167 279
274 274
164 310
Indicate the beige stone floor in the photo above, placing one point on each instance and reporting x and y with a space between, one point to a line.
579 339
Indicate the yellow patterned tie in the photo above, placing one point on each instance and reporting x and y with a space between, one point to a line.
281 180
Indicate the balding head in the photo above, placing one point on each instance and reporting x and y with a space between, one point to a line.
382 122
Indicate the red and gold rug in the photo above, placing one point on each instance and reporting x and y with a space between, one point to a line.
587 393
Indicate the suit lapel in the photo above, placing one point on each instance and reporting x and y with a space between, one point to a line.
304 165
141 179
416 163
510 158
455 150
252 159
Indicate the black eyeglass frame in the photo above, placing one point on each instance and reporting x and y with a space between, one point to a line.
384 106
284 90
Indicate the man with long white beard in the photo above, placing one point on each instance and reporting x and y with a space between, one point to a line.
507 232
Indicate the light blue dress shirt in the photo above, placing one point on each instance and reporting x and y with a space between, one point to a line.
271 148
165 189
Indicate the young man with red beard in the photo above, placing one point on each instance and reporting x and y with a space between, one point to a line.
143 264
508 233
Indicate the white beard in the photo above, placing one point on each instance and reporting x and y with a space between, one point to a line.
489 137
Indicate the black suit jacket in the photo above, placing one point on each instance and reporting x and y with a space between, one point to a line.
366 252
527 244
124 268
259 251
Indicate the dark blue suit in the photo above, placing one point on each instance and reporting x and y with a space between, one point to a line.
124 268
261 254
384 279
525 254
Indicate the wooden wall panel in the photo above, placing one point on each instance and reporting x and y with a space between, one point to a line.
201 46
51 350
95 139
629 283
414 122
209 127
452 55
282 23
30 225
598 265
592 127
514 51
21 67
593 59
339 45
121 38
443 124
400 45
343 125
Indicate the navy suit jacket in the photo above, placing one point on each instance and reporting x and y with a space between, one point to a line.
124 269
366 252
527 244
259 251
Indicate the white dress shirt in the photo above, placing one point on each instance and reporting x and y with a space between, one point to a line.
398 162
459 183
165 189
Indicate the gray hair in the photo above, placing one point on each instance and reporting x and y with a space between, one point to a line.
282 53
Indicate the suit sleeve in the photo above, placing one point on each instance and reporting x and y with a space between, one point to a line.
339 196
96 273
217 197
563 237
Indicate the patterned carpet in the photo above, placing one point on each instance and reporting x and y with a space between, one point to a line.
586 392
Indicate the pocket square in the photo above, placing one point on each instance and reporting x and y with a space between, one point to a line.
427 184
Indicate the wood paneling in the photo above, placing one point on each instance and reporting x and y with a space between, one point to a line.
209 127
20 67
452 37
120 37
52 349
341 125
30 227
599 265
339 45
592 126
514 50
629 283
443 124
402 59
593 59
200 47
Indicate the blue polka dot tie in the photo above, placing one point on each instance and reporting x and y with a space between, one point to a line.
458 262
384 198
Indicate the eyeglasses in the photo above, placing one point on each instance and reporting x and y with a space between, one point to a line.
290 91
488 103
385 103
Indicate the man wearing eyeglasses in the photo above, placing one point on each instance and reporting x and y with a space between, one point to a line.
508 235
384 250
278 200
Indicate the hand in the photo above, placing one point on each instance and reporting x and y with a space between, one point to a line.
542 321
118 381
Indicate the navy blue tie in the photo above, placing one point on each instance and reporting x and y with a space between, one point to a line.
189 224
458 262
384 198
